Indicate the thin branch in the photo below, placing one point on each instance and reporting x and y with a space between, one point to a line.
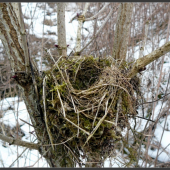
26 122
19 155
61 142
95 16
37 160
77 126
100 29
154 100
13 141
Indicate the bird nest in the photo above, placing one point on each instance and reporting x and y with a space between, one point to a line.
87 102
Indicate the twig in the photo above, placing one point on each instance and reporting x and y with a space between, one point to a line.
145 118
13 141
64 113
161 138
98 108
19 155
77 126
61 142
154 100
45 114
110 13
26 122
98 124
72 153
95 16
37 160
76 111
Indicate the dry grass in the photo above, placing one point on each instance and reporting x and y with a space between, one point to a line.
90 100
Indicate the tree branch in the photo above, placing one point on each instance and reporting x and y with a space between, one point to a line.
100 29
13 141
141 63
122 31
95 16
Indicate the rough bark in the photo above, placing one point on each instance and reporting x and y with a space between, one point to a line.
11 36
122 32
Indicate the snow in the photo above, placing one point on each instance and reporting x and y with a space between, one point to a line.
9 152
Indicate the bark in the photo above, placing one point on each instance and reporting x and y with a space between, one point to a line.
100 29
13 141
80 23
141 63
122 32
96 15
11 36
62 46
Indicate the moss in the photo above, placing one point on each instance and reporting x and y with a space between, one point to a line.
76 79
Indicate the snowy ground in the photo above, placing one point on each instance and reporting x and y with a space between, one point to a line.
8 153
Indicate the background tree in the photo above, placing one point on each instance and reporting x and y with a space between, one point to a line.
118 41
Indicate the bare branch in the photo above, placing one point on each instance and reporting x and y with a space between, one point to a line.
110 13
19 155
13 141
95 16
24 37
140 63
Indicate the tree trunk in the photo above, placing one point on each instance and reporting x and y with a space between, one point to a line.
62 46
122 32
10 34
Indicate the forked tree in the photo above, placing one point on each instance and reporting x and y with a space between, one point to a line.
78 107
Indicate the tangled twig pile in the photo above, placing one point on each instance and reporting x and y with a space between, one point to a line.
87 103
